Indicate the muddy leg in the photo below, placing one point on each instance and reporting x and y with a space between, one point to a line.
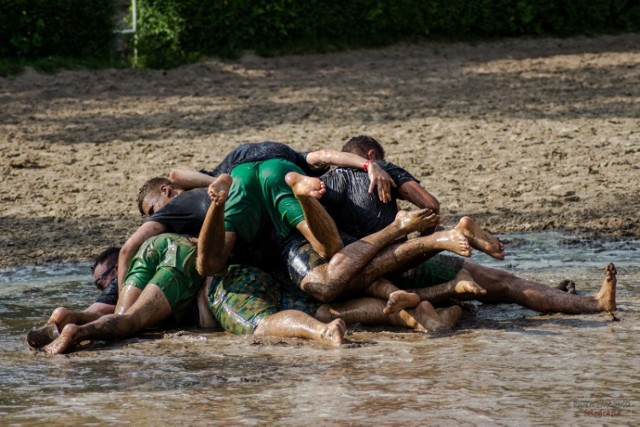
297 324
328 281
318 227
480 239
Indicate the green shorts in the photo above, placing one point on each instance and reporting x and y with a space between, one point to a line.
241 296
168 261
434 271
259 195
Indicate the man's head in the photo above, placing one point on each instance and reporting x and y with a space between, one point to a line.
105 268
155 194
364 146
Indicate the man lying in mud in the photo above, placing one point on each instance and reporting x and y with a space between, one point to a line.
238 303
213 235
455 274
104 272
260 168
499 286
162 282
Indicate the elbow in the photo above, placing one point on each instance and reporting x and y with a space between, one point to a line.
436 207
173 174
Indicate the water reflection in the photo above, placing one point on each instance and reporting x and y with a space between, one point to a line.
503 365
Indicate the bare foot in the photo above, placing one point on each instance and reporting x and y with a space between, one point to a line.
333 333
480 239
452 240
305 186
450 315
466 285
61 344
410 221
219 189
399 300
607 295
42 336
423 318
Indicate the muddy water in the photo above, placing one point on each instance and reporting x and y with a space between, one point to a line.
503 366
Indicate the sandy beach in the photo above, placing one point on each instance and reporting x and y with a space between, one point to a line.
529 134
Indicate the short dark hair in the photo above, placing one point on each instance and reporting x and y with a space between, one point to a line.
361 144
152 186
109 255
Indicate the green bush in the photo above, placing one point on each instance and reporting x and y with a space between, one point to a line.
172 32
34 29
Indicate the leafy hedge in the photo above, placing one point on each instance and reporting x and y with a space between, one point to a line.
171 32
176 31
34 29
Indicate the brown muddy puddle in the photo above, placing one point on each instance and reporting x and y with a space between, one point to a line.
502 366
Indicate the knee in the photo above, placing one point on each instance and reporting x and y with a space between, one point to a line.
59 314
320 292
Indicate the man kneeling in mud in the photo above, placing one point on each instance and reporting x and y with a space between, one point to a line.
162 282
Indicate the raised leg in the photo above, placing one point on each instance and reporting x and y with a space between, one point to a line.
318 227
327 281
480 239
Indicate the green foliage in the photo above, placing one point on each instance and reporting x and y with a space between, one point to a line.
33 29
181 30
172 32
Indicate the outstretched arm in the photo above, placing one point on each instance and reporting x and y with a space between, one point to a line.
187 179
379 178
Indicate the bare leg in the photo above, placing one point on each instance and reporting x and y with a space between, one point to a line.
151 308
461 285
505 287
127 297
318 227
397 299
297 324
212 239
329 280
59 319
480 239
401 256
368 311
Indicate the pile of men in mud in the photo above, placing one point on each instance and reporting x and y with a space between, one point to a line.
274 242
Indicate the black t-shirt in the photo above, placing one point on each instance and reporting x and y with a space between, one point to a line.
185 213
110 293
259 151
355 211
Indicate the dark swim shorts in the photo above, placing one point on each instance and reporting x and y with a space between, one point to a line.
300 256
434 271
